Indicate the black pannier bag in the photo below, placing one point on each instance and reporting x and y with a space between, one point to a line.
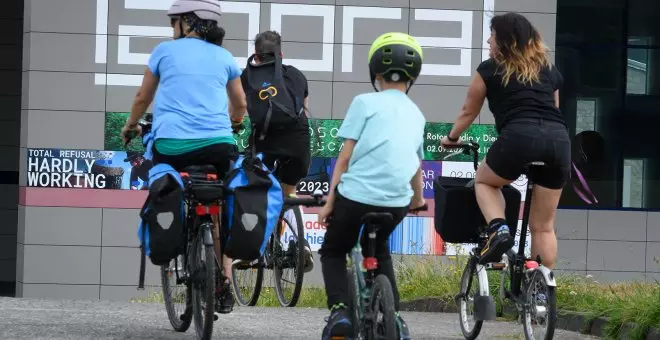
457 215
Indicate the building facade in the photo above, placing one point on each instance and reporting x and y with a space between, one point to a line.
71 69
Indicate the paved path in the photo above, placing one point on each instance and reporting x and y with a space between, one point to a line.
50 319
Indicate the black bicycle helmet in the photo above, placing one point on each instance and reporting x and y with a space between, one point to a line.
395 56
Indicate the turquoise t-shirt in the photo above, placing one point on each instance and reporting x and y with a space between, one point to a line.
389 130
191 101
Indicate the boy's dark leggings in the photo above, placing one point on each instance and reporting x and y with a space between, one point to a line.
340 237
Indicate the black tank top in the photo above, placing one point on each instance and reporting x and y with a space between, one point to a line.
517 100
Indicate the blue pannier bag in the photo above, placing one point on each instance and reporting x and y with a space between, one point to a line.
161 230
253 205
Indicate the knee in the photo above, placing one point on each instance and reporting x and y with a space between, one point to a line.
541 227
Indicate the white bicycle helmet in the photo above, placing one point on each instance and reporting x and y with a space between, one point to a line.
203 9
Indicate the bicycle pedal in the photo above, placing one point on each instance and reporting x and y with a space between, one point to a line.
495 266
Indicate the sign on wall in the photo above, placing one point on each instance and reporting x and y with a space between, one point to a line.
325 16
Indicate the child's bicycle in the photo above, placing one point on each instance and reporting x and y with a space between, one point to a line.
371 307
531 285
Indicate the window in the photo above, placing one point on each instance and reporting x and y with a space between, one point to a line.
586 114
633 183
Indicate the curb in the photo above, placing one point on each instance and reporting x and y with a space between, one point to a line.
570 321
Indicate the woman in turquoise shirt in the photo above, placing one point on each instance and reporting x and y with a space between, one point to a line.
198 96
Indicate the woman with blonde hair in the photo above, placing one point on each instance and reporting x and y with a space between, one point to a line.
522 87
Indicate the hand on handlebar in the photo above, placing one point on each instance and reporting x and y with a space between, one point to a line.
236 127
445 142
130 132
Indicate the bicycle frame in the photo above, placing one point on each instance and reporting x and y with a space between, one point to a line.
364 280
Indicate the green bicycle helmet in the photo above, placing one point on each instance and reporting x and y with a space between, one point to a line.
395 56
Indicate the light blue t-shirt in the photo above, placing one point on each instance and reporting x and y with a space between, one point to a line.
191 101
389 130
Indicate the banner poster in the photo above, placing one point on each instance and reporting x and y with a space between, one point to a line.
90 169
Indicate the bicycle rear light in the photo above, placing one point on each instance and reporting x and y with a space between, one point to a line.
203 210
370 263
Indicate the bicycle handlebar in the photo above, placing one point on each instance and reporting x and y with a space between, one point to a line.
315 201
425 207
465 149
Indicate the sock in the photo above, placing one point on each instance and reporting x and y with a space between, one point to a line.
497 224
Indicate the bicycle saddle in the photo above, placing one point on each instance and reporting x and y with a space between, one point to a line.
377 218
204 169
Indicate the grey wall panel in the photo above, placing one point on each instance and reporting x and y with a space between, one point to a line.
120 99
119 227
342 96
320 99
653 257
64 16
120 267
527 6
62 52
360 24
310 56
312 2
379 3
53 128
64 91
474 5
616 256
571 224
133 55
572 254
617 225
65 265
653 226
59 291
62 226
445 23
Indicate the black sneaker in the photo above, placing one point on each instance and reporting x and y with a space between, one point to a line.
339 324
498 243
224 299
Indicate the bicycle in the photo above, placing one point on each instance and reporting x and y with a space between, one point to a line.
278 258
526 277
197 267
371 294
248 277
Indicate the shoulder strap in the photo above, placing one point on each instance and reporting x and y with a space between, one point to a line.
591 199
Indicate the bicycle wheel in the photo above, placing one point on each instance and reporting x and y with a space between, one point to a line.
289 261
469 326
383 325
203 300
176 295
354 304
540 318
247 282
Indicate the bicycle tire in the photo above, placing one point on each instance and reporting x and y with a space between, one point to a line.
299 260
180 322
252 299
354 301
551 310
382 299
204 291
469 271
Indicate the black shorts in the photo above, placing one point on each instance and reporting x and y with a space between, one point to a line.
532 140
290 170
219 155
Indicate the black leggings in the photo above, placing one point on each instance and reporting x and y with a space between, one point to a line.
342 234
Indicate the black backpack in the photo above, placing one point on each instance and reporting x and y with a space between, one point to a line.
270 103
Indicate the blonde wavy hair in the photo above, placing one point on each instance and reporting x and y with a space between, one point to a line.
521 51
